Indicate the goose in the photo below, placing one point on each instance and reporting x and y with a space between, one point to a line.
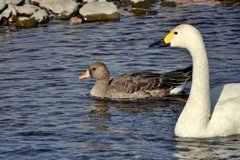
205 114
135 85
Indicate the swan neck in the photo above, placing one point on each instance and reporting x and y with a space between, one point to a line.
194 118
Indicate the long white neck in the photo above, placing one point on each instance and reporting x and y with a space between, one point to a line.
195 116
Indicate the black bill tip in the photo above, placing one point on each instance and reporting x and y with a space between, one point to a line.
160 43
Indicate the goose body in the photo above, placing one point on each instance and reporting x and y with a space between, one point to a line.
206 114
135 85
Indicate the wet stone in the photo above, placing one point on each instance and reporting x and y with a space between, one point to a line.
99 11
143 3
14 2
139 12
168 4
40 16
25 23
3 5
27 10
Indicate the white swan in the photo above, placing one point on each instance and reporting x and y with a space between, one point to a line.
198 119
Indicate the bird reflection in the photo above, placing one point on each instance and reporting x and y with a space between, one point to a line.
214 148
101 110
105 108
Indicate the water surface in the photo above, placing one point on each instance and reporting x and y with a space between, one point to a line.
46 113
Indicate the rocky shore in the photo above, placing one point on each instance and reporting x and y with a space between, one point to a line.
32 13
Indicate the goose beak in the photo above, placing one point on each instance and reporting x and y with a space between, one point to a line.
160 43
85 75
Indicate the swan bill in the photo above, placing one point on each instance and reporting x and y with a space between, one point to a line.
160 43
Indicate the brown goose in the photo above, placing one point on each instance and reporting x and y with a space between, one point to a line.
136 85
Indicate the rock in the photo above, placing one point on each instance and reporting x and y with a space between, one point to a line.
15 2
168 4
87 1
23 22
27 10
142 3
13 9
139 12
63 16
63 9
6 13
65 5
3 5
125 3
59 6
35 2
99 11
75 20
40 16
228 2
27 2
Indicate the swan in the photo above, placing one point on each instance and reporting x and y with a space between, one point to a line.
136 85
199 118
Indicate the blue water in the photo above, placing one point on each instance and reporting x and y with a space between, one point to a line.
46 113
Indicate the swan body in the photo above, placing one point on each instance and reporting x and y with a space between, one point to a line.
136 85
202 116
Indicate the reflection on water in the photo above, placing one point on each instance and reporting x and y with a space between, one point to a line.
212 148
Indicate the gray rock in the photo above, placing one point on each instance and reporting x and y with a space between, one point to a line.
6 13
40 16
13 9
87 1
142 3
35 2
60 6
3 5
99 11
27 10
63 16
65 5
24 22
15 2
27 2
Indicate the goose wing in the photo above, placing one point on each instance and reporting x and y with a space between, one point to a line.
154 84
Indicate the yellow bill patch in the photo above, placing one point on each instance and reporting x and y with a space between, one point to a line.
169 37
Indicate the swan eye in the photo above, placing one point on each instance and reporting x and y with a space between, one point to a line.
175 33
94 68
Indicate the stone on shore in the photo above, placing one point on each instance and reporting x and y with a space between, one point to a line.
40 16
62 7
14 2
24 22
3 5
27 10
6 13
142 3
139 11
13 9
99 11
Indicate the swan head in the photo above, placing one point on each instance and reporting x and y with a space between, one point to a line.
183 36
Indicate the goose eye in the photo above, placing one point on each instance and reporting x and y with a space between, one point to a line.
94 68
175 33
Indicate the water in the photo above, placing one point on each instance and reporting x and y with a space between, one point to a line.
46 113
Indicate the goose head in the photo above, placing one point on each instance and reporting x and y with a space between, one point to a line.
96 70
